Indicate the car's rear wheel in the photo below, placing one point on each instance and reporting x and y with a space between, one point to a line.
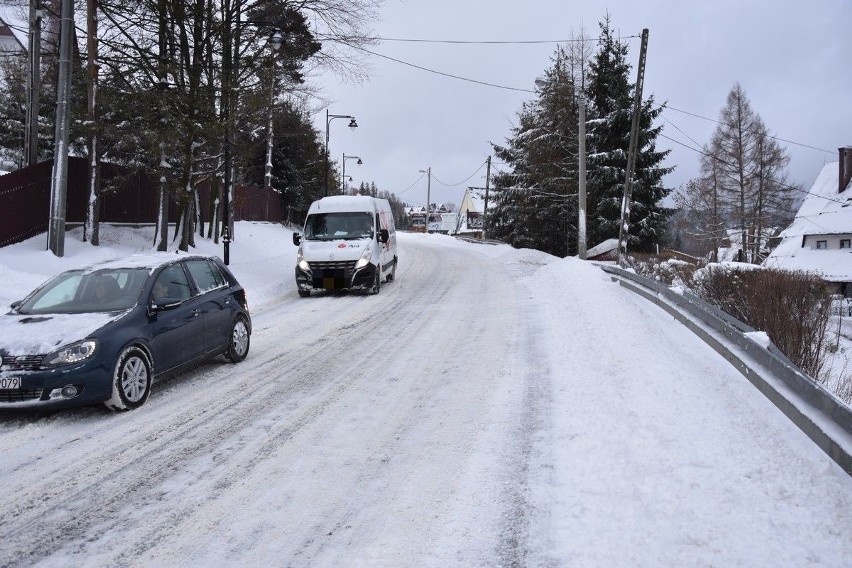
392 274
131 380
238 345
304 293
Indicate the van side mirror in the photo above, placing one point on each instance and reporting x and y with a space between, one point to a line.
297 238
383 235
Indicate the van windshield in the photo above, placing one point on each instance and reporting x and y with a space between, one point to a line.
336 226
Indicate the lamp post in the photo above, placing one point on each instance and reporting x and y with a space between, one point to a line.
276 41
328 119
343 174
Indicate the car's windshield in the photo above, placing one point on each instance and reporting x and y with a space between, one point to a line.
334 226
78 291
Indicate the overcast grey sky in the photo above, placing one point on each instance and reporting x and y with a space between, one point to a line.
793 59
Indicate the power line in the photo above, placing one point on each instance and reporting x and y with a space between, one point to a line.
487 84
784 185
770 136
412 185
681 131
476 42
462 181
442 73
493 42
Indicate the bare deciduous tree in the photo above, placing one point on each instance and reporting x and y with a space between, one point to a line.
743 180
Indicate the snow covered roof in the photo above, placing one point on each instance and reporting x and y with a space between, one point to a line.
824 212
343 203
604 247
13 21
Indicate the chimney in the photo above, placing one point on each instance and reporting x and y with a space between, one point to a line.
845 167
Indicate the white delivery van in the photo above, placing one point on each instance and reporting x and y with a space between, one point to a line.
349 243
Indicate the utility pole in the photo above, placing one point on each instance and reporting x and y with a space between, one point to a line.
428 195
487 180
59 179
581 208
631 153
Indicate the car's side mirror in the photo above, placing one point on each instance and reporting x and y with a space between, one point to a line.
164 304
383 235
297 238
16 305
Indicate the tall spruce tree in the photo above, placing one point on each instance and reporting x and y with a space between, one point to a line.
610 96
535 204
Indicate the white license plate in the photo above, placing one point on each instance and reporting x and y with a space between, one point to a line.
10 383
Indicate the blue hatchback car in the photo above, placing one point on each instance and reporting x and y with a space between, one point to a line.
104 333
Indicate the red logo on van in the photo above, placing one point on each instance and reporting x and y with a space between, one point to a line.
341 246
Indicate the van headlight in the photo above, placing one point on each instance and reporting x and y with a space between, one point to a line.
365 259
301 262
71 354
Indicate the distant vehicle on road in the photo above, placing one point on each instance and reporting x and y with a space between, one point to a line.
105 332
349 243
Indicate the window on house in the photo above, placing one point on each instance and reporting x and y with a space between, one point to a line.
822 244
845 243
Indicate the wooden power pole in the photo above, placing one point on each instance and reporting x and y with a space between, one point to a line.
631 153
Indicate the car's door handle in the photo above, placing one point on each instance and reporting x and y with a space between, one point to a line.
196 311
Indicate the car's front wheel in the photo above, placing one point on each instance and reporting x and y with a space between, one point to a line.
377 283
131 380
238 345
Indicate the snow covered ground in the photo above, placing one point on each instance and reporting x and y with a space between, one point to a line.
490 407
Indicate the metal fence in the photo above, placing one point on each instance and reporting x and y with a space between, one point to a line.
841 306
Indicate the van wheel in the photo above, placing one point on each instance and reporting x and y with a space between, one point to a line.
131 380
392 274
377 283
304 293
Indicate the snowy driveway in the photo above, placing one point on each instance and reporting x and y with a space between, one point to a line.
489 407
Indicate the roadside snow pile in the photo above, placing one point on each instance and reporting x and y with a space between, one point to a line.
262 256
760 338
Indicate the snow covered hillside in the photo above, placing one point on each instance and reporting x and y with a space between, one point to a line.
490 407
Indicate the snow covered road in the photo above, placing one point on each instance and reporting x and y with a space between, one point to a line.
489 407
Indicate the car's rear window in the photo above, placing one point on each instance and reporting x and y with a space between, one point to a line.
207 275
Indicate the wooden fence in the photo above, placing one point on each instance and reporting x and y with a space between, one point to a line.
25 200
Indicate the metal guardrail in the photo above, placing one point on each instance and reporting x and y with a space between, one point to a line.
825 419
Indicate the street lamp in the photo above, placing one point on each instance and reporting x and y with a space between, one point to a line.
328 119
276 41
343 174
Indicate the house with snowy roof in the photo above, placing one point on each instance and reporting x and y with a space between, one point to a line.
13 36
471 213
819 240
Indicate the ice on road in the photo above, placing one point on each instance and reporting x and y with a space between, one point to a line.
490 407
